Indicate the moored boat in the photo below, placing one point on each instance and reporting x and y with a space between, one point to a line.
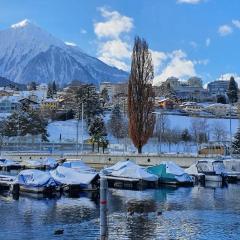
170 173
33 164
49 163
36 181
70 179
232 166
7 164
127 174
79 166
213 170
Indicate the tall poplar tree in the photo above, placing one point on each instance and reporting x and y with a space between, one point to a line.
141 95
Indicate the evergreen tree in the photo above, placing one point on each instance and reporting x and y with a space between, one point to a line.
232 91
50 91
36 125
23 123
104 96
69 114
221 99
167 91
32 86
98 132
92 106
170 93
87 95
12 124
117 123
236 143
186 136
54 88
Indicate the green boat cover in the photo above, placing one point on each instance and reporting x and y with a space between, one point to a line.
169 172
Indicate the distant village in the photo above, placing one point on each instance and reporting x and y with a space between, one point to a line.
173 96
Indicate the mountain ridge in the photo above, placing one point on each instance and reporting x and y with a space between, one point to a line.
29 53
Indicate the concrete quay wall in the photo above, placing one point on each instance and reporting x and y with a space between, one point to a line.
102 160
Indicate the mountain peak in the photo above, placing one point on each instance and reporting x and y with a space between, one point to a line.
21 24
29 53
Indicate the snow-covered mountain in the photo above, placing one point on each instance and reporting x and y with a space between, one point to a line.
29 53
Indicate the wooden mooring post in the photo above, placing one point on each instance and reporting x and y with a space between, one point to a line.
103 208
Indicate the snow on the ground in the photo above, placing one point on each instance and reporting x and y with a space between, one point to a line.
182 122
68 131
4 115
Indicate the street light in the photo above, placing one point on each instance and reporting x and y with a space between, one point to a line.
18 128
81 129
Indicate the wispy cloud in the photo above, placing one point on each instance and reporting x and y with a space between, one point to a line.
208 42
114 24
189 1
225 30
113 49
178 65
83 31
158 59
201 62
236 23
193 44
114 52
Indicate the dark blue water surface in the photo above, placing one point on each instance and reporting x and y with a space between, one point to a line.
187 213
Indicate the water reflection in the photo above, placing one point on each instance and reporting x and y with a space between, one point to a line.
167 213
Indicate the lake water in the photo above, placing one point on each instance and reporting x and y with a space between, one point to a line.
187 213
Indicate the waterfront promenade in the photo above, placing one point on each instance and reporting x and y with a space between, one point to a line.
99 160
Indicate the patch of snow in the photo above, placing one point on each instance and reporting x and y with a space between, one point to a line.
71 44
21 24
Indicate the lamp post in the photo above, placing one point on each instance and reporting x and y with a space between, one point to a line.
81 128
77 133
230 128
18 130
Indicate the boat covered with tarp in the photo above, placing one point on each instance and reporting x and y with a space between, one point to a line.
170 173
49 163
9 164
213 170
78 165
33 164
37 181
71 178
129 169
232 167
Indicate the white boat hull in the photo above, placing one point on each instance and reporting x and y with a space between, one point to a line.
31 189
213 178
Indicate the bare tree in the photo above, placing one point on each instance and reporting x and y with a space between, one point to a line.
219 132
117 123
200 129
171 136
141 95
162 123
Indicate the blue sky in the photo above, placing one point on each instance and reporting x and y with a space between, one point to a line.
187 37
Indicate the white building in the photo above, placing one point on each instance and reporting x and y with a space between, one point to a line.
192 107
9 104
218 109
